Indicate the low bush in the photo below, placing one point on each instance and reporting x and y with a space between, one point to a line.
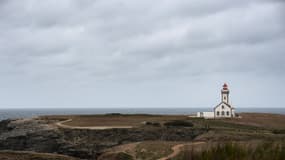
279 131
113 114
179 123
156 124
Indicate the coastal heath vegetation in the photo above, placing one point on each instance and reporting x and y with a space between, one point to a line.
234 151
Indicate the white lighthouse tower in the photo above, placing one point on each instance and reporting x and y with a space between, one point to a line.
225 94
224 109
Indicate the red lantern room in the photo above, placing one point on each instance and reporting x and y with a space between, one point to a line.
225 87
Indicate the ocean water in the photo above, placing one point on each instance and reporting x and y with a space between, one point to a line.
29 112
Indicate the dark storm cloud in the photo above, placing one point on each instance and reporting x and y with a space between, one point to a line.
71 42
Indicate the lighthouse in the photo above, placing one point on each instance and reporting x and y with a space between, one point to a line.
224 109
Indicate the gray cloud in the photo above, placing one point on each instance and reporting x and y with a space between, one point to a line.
61 49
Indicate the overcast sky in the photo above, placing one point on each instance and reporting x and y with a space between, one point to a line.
127 53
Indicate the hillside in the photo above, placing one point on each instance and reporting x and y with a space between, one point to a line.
117 136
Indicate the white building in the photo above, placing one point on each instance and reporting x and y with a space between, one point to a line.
222 110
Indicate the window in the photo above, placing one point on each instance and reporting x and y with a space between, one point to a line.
223 107
224 98
228 113
218 113
223 113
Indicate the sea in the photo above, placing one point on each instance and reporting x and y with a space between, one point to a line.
33 112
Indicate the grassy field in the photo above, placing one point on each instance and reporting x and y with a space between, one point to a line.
250 122
251 130
116 120
231 150
237 151
268 121
250 126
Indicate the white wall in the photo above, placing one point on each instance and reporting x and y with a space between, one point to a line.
206 114
225 97
226 109
199 114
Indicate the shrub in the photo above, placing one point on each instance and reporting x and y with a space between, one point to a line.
156 124
113 114
280 131
178 123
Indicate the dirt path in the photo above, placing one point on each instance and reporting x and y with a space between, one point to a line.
177 149
125 148
62 125
25 155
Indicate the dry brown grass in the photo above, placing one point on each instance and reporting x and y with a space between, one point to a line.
264 120
147 150
119 120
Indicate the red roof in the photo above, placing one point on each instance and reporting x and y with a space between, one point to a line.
225 86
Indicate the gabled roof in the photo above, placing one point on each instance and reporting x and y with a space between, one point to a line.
224 104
